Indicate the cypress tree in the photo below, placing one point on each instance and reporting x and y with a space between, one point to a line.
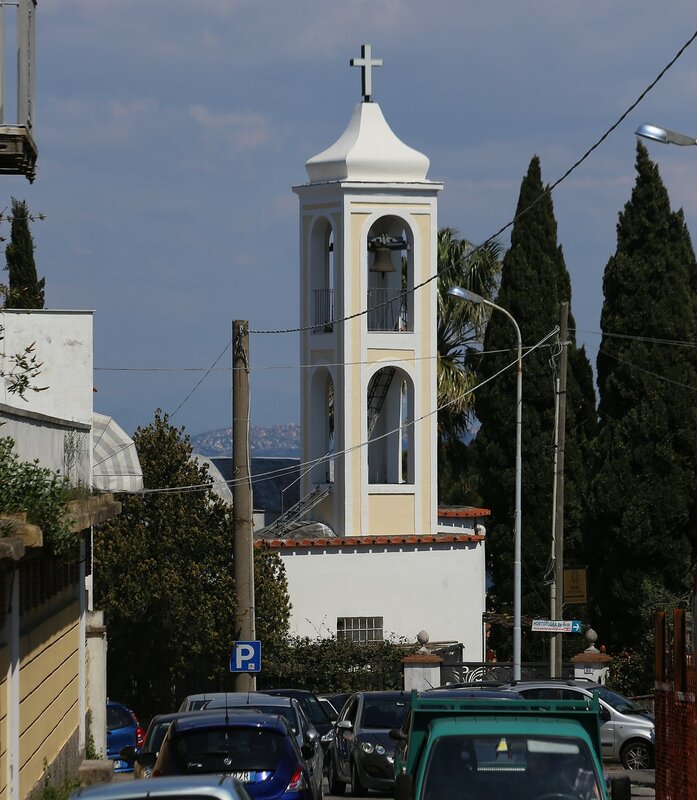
25 290
644 491
534 282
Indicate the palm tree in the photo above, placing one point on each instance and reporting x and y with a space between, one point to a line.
461 325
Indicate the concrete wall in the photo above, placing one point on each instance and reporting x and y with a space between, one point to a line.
63 343
437 587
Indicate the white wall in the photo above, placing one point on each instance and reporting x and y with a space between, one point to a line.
436 587
64 345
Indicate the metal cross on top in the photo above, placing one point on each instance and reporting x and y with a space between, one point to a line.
366 62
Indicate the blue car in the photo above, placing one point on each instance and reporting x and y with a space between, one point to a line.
122 730
256 748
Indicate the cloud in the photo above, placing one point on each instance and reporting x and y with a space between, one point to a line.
243 130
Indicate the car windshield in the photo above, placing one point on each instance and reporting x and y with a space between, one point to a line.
619 702
384 712
228 749
313 708
485 767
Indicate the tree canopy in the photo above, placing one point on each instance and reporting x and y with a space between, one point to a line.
25 289
644 530
164 577
534 282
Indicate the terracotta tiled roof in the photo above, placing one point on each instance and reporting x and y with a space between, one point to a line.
463 512
362 541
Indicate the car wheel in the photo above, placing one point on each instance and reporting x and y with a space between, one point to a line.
357 788
335 785
637 755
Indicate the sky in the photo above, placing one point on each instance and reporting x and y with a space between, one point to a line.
170 133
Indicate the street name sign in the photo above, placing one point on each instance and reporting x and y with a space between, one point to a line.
557 625
245 657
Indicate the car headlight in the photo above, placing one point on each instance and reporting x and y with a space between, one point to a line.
390 759
367 747
328 736
380 750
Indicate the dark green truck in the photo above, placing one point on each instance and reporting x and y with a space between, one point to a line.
466 749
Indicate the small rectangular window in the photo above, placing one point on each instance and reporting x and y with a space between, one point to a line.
360 629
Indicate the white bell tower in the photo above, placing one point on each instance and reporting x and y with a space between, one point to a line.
368 309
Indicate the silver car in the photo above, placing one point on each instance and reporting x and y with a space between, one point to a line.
627 731
187 787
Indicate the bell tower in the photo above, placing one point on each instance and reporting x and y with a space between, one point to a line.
368 310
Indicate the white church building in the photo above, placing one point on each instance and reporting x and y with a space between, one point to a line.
368 553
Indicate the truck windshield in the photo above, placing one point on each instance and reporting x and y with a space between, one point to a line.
503 767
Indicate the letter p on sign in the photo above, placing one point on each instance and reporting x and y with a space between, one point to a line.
245 657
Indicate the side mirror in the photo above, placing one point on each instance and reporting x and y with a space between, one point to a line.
129 753
621 788
404 787
344 724
146 759
307 750
312 736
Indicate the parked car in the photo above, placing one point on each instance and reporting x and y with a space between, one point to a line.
187 787
328 707
337 701
195 702
362 752
122 729
626 729
292 711
143 757
257 749
313 710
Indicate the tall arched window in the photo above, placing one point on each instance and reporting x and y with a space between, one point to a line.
323 276
322 442
390 276
390 427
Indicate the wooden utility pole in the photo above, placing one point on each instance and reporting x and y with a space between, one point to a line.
242 524
559 486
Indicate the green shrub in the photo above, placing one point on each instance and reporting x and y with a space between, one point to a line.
41 493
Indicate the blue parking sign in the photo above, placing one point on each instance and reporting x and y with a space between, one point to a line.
245 657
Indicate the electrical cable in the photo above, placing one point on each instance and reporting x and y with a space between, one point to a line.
322 459
547 191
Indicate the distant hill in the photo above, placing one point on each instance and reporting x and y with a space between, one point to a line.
278 440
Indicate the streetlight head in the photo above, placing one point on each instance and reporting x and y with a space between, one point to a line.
664 135
464 294
652 132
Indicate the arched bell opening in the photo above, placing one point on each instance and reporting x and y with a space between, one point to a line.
390 275
322 439
322 276
391 427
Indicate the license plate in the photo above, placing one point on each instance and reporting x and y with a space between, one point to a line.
118 764
242 777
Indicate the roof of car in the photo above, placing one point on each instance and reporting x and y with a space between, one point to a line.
589 686
224 718
221 788
484 693
250 699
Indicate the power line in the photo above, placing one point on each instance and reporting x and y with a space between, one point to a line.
547 191
324 459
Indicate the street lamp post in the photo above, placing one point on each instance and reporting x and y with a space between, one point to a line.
664 136
465 294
